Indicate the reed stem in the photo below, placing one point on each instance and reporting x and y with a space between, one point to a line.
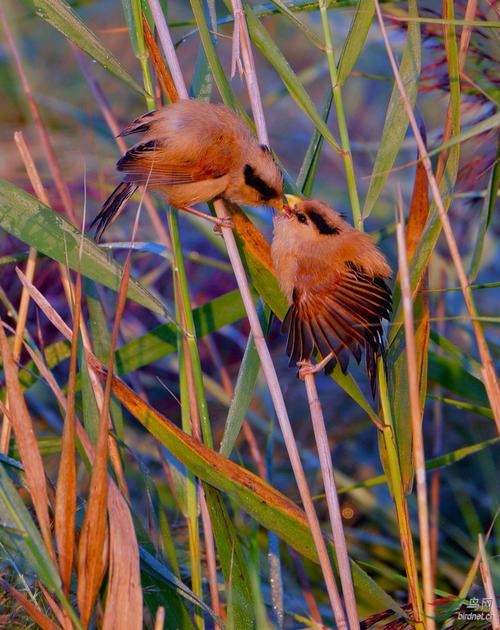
341 120
416 423
332 500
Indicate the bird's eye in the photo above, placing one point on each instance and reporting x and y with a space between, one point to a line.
302 218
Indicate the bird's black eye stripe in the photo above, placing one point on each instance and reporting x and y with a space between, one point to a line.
322 225
301 218
252 179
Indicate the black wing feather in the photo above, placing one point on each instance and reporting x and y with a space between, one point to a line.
347 321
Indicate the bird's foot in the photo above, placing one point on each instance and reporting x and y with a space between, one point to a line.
223 222
306 367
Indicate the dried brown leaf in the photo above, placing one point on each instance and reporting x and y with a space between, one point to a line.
61 616
161 70
35 613
26 442
66 480
93 533
124 595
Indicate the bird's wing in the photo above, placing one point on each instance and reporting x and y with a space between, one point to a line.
341 314
150 163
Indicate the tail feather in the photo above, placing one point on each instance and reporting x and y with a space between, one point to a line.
112 208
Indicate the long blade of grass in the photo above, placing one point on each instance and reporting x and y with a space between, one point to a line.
25 437
62 17
486 216
272 509
124 592
415 408
37 225
396 120
93 533
33 611
491 383
397 358
341 118
66 490
273 54
355 40
431 464
24 300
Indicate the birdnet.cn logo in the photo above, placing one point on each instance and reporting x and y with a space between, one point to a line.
476 610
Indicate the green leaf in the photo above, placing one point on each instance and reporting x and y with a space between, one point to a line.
62 17
18 530
356 38
454 378
268 506
486 216
459 404
39 226
155 567
243 392
309 168
162 340
396 120
233 562
432 464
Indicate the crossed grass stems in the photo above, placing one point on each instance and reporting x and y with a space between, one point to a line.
196 402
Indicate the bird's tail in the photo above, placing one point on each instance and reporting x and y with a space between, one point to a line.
112 208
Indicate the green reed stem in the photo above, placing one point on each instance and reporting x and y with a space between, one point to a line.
141 52
181 308
395 483
341 120
190 329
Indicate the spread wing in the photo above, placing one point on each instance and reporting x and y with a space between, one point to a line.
342 315
151 162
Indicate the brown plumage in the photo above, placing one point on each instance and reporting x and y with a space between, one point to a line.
334 278
193 152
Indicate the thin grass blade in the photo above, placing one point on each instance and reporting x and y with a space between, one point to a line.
62 17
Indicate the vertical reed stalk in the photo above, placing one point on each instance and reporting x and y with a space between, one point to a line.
141 52
262 349
341 120
396 486
332 500
489 588
437 441
416 422
242 37
488 371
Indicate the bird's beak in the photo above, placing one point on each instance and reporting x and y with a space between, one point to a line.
278 204
292 201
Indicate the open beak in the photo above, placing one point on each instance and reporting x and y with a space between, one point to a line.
278 204
292 201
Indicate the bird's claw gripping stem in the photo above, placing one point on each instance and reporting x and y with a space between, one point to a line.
306 367
223 222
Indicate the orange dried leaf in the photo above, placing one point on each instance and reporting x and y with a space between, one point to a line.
124 595
26 442
35 613
66 480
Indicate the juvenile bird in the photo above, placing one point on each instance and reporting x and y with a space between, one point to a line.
334 278
192 152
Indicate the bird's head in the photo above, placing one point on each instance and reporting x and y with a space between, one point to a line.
261 181
313 217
